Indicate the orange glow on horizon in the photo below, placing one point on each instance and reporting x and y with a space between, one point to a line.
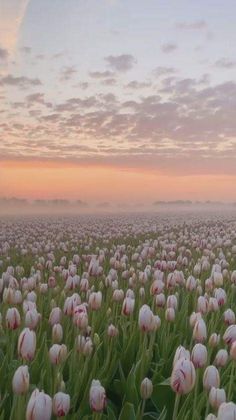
49 180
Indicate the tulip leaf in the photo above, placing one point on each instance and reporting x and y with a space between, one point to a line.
127 412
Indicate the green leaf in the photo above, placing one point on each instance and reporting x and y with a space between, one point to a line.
127 412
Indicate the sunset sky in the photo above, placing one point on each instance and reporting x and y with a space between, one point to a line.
118 100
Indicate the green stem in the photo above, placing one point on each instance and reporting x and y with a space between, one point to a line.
231 380
196 391
176 406
142 409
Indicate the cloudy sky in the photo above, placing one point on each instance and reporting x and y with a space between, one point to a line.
118 100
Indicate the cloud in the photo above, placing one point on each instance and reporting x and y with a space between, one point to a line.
191 128
101 74
198 24
134 84
163 71
11 17
168 48
26 50
37 98
68 72
3 54
121 63
225 63
20 81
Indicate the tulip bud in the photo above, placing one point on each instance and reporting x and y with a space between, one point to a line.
97 396
128 306
217 396
194 317
211 417
200 331
84 345
20 381
180 353
145 318
183 376
170 314
61 404
12 318
221 296
213 305
229 317
214 340
227 411
221 358
55 316
32 318
160 300
112 331
95 300
39 406
211 378
202 305
27 344
57 333
57 353
230 334
199 355
172 302
146 389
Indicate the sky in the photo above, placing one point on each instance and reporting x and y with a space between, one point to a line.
118 100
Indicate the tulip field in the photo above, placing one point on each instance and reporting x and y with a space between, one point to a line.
123 317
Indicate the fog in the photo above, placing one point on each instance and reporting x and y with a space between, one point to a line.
16 206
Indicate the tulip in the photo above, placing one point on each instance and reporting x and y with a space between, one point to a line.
57 333
61 404
200 331
160 300
214 340
32 318
146 389
39 406
202 305
57 353
180 353
217 396
128 306
170 314
95 300
55 316
199 355
118 295
227 411
84 345
213 305
145 318
97 396
183 376
191 283
194 317
221 358
20 381
12 318
221 297
230 334
211 378
211 417
229 317
112 331
172 302
27 344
